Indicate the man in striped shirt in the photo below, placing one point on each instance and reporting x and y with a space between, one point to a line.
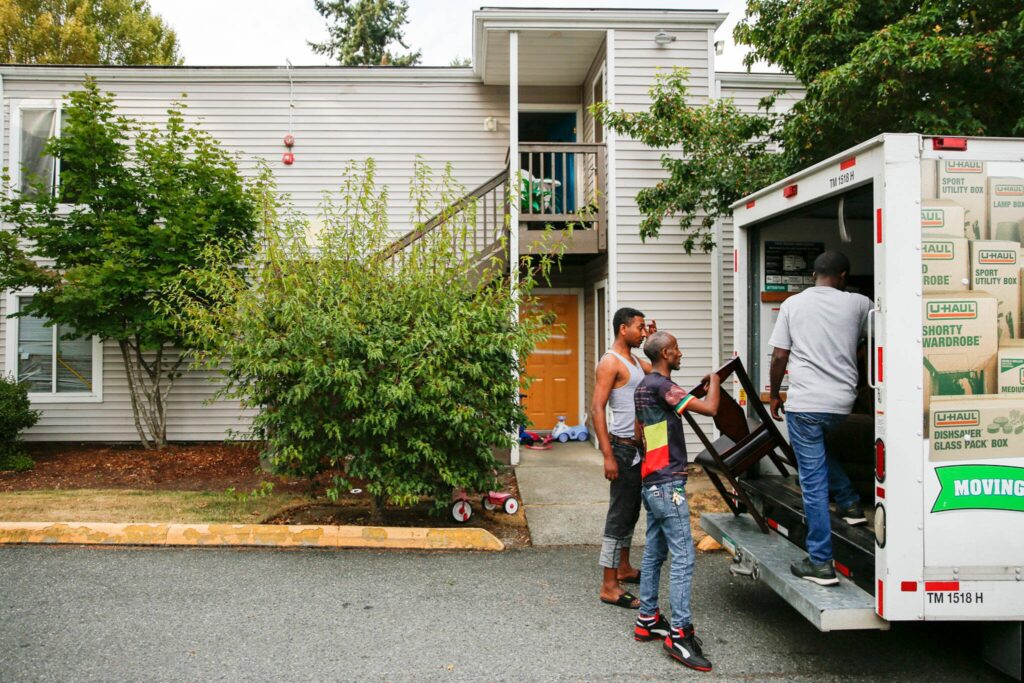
659 404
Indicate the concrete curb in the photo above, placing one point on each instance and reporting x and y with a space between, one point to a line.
260 535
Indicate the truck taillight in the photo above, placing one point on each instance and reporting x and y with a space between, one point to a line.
880 525
950 144
789 191
879 460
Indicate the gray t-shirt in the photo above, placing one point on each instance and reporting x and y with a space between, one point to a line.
821 327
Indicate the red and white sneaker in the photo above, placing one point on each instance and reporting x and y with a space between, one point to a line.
651 628
683 645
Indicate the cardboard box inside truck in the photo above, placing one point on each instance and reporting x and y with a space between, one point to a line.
1006 208
995 269
942 218
976 427
964 183
960 344
945 264
1011 368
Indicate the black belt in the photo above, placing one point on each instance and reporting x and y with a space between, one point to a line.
623 441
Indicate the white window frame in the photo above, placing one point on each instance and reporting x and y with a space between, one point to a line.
598 332
95 396
14 147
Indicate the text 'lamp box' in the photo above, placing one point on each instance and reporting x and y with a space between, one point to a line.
964 183
976 427
942 218
1006 208
1010 365
960 344
945 264
995 269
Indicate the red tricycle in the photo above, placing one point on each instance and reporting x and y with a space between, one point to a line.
462 509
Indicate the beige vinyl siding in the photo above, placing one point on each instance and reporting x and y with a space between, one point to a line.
658 277
747 90
436 113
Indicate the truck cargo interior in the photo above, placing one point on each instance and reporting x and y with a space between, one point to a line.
787 246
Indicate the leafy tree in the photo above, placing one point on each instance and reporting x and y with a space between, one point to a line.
85 32
936 67
942 67
700 185
461 61
16 414
396 372
144 204
361 31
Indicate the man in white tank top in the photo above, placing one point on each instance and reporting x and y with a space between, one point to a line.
618 375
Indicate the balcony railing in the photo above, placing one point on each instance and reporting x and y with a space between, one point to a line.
562 184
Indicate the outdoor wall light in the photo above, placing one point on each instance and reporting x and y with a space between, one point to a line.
491 124
663 38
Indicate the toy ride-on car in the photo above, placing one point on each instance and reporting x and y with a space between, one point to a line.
564 433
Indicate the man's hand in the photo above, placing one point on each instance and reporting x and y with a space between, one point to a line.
652 327
611 468
777 407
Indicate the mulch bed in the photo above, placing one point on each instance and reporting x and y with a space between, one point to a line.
217 467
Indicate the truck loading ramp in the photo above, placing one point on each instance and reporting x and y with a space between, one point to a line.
768 556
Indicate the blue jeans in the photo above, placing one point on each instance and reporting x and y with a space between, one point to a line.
668 529
820 474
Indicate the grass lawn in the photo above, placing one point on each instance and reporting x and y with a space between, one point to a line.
127 505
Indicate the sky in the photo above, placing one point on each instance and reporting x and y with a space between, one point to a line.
267 32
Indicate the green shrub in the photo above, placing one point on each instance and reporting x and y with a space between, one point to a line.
399 373
15 461
16 414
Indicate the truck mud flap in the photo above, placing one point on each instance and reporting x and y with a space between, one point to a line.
766 557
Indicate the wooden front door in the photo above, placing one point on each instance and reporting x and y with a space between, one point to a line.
555 366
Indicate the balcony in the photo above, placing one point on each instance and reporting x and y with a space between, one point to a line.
562 184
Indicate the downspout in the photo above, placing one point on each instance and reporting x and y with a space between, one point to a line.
716 251
513 183
612 293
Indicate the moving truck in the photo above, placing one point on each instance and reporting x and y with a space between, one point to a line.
933 447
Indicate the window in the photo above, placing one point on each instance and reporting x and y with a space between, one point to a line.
35 122
56 369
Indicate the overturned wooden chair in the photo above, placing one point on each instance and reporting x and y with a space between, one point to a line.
743 442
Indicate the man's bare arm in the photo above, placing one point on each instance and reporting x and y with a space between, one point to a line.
780 359
606 371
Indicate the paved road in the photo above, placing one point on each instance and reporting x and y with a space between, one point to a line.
91 614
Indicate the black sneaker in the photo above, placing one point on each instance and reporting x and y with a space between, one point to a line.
651 628
853 515
683 645
822 574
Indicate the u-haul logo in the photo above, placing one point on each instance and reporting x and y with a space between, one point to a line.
964 167
956 418
952 310
933 218
991 257
1008 189
937 251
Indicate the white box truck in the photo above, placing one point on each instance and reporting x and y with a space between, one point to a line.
935 453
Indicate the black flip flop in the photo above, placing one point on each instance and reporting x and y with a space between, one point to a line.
625 600
631 579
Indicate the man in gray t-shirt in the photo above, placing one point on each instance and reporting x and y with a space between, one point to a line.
816 337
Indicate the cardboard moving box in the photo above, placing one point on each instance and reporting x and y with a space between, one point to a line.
964 183
1006 208
995 269
1011 368
942 218
976 428
960 344
945 264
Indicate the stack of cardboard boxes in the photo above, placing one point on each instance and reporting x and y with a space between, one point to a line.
973 348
